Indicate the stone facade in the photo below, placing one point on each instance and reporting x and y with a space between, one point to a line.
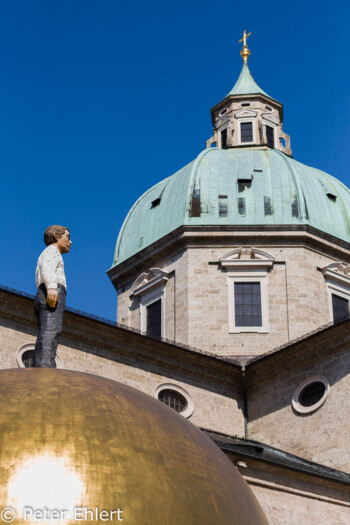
293 498
229 400
115 353
196 296
321 436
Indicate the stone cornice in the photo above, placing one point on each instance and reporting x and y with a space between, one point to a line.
269 236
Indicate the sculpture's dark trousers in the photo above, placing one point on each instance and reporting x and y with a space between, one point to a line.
50 326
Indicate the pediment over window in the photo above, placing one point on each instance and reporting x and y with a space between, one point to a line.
338 271
148 280
246 258
244 113
223 121
271 118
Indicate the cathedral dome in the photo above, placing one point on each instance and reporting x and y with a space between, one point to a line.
72 440
237 187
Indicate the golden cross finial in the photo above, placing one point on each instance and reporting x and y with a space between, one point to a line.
245 51
244 39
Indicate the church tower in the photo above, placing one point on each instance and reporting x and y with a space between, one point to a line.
242 250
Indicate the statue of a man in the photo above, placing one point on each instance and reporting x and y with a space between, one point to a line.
50 300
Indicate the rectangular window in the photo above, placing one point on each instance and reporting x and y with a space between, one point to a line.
224 138
196 203
267 206
222 205
241 205
154 319
246 132
340 308
247 304
270 135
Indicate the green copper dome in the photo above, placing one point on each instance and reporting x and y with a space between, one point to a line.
237 187
246 84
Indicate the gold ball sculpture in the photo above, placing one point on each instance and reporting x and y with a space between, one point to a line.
78 448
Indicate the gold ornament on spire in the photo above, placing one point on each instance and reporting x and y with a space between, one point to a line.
245 51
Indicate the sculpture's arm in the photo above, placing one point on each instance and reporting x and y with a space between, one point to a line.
49 265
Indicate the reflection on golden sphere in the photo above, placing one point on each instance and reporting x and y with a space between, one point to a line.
81 449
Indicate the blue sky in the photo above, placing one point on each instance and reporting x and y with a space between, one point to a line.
101 100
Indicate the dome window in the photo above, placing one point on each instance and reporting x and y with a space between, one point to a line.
245 104
176 398
267 206
196 203
222 205
241 205
332 197
244 183
156 202
223 112
269 108
310 394
295 207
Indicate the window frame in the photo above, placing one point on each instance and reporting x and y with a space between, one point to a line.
147 299
247 264
187 413
336 289
244 121
30 347
248 277
338 283
301 409
274 132
149 287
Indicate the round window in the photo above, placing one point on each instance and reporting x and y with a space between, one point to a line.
27 358
223 112
310 394
176 398
269 108
25 355
245 104
173 399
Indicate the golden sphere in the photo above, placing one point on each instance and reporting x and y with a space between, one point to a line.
78 448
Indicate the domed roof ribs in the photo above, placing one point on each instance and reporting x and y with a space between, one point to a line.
331 191
300 199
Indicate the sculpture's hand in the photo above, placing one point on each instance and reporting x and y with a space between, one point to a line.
52 297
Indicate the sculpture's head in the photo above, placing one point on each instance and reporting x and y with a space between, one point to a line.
58 235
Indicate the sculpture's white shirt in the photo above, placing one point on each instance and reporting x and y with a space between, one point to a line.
50 268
